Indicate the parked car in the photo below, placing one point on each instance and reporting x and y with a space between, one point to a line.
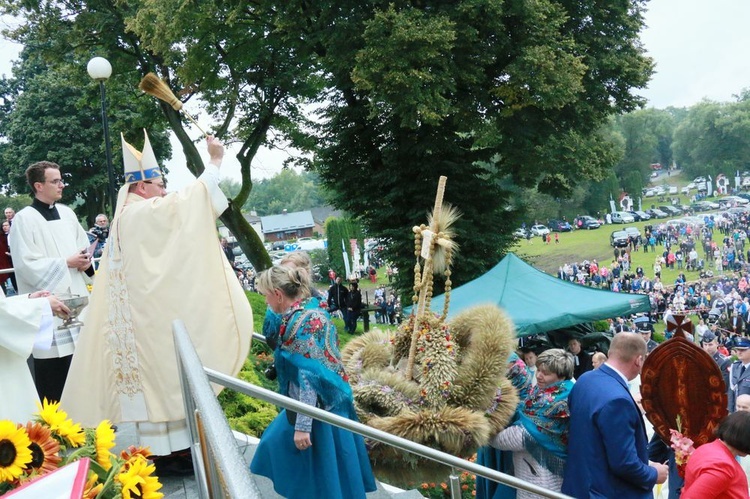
632 231
672 189
539 230
520 233
618 239
587 222
559 226
737 200
656 213
311 244
622 217
671 210
278 245
685 190
649 193
640 216
700 206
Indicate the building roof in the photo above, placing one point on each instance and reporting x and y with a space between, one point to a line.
321 213
287 221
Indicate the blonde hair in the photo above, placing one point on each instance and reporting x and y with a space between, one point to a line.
299 260
556 361
293 282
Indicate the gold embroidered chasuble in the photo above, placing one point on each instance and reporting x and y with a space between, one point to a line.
162 262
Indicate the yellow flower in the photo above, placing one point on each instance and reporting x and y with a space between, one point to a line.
92 488
138 481
44 449
133 452
58 422
14 451
105 440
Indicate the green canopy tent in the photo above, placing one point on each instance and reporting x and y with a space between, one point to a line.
538 302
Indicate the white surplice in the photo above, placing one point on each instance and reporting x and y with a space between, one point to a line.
24 322
40 249
162 262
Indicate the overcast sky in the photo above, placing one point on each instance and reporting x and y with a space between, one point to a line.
699 48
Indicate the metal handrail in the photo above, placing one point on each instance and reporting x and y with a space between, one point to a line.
13 269
222 472
369 432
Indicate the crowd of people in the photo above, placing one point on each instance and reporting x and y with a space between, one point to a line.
575 408
583 409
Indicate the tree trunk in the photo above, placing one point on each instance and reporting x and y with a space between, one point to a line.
246 236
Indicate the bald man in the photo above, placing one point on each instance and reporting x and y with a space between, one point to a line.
743 402
607 439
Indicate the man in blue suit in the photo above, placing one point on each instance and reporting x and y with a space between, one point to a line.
607 444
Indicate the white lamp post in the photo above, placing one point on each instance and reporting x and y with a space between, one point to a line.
100 70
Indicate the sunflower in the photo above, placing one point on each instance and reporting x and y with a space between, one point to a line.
44 449
58 422
93 487
135 452
105 440
138 482
14 451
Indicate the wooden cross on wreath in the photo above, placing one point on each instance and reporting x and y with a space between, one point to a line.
679 325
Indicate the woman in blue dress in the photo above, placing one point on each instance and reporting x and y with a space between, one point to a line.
304 457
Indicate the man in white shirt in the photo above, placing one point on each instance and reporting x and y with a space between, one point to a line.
50 253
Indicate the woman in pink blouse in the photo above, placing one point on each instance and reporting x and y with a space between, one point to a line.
712 470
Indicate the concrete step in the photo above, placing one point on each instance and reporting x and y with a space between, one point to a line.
187 488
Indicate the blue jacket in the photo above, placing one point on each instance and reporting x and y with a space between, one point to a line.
607 444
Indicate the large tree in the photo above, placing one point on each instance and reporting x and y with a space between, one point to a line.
225 55
714 138
495 95
499 95
53 113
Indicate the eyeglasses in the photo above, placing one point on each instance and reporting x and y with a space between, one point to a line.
57 181
160 186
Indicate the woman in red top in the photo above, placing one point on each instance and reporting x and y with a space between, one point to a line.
712 470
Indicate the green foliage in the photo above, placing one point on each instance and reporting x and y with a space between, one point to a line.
258 305
601 326
517 99
246 414
319 259
647 138
54 113
288 190
714 138
340 231
15 202
441 490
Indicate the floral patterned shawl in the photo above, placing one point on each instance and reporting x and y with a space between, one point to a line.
545 417
309 349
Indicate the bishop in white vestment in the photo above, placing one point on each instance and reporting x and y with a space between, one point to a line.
162 262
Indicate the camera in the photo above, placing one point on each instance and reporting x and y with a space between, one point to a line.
270 372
